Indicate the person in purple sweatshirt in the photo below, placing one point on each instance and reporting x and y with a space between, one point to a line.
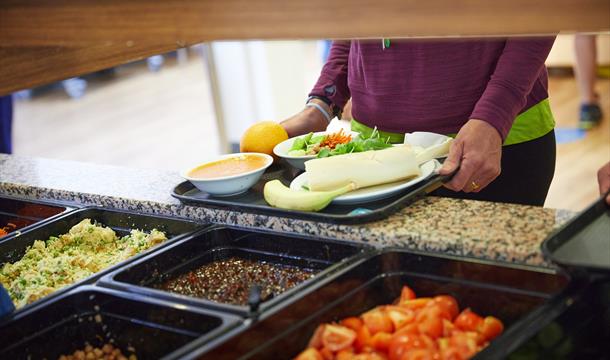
490 94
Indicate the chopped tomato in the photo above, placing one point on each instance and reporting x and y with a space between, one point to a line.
367 349
448 328
370 356
407 294
309 354
337 337
399 316
381 341
363 338
468 320
377 320
353 323
316 338
448 305
464 343
478 337
415 304
410 329
403 342
430 342
327 354
451 353
345 354
491 327
421 354
430 322
443 343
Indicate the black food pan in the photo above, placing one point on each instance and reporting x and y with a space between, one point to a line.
18 215
221 243
13 247
152 329
517 295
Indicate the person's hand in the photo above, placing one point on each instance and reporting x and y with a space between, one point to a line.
477 151
603 178
308 120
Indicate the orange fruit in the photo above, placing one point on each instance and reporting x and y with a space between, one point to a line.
262 137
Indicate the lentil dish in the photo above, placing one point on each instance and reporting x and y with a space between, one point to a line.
87 248
229 281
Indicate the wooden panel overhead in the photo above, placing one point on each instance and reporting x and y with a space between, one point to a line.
42 41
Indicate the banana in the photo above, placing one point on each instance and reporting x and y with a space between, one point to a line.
278 195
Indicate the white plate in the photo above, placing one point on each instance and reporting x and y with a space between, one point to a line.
377 192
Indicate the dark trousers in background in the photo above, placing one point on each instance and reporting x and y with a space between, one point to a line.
6 124
527 172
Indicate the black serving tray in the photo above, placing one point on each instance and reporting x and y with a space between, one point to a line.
13 247
24 213
155 328
583 244
253 200
521 296
219 243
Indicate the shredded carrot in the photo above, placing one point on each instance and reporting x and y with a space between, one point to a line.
335 139
8 228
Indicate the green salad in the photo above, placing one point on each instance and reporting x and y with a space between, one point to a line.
337 144
306 145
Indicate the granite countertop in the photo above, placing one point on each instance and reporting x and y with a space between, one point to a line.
502 232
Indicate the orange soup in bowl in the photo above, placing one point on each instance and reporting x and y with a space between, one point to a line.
231 166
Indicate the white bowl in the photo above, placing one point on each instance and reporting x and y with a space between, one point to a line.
281 149
229 185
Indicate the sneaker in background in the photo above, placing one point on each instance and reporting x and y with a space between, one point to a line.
590 116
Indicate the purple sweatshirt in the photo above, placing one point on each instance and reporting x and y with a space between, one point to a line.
436 86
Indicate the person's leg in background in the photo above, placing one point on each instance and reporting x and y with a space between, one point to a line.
586 72
6 124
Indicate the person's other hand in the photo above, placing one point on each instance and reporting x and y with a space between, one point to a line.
308 120
477 151
603 178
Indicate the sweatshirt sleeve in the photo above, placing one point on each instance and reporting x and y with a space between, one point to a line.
515 74
332 82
